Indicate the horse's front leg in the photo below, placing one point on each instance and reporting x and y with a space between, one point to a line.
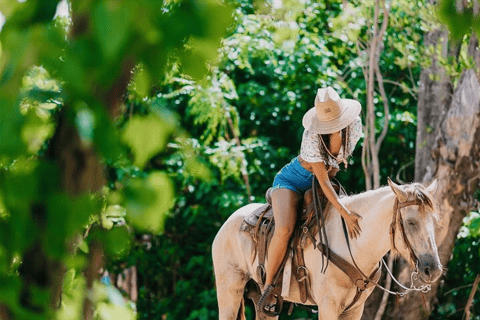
353 314
328 309
328 303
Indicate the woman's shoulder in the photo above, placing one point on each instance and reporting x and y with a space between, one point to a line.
309 136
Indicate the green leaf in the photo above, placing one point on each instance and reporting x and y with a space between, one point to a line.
106 136
458 23
117 242
147 201
66 216
147 136
11 120
111 20
474 227
142 82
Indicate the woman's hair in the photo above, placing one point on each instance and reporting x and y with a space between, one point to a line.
326 138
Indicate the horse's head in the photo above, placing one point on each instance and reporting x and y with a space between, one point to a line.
413 228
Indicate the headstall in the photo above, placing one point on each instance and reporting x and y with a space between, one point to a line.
397 216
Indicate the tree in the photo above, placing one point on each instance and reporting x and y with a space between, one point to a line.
447 141
48 197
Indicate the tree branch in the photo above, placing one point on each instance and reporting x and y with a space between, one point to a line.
470 298
385 107
246 180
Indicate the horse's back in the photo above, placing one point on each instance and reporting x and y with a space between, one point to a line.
231 227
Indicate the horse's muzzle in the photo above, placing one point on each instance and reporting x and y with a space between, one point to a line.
429 268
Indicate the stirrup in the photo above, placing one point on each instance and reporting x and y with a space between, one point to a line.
263 300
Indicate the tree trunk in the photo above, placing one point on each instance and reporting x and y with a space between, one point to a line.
448 148
453 156
455 161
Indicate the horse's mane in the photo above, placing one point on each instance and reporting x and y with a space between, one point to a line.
415 191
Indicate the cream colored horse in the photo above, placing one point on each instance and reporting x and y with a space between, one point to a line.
333 290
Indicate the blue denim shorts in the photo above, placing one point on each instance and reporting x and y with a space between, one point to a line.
294 177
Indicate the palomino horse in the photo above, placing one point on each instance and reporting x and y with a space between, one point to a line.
333 290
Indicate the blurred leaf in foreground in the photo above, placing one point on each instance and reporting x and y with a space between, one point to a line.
146 136
147 201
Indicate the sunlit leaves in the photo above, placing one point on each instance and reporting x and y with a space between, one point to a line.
36 131
147 201
141 82
146 136
109 302
91 66
112 215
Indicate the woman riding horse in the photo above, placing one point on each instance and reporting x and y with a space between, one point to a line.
332 129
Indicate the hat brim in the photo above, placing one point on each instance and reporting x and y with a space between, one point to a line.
351 110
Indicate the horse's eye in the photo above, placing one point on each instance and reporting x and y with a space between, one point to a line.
411 223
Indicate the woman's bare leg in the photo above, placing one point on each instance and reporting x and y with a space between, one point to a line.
284 202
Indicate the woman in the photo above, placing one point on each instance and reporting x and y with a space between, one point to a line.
332 129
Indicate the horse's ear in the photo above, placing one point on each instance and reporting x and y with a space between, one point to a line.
401 194
432 188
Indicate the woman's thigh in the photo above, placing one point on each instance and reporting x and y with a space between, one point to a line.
284 203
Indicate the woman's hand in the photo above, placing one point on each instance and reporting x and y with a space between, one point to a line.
351 219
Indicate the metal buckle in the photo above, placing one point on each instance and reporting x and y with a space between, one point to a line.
306 273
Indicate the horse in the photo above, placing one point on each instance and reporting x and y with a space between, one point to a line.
332 291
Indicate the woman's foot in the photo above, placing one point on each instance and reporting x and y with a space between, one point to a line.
268 303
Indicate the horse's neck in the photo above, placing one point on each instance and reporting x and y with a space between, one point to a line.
376 209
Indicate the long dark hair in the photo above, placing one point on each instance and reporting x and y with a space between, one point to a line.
326 139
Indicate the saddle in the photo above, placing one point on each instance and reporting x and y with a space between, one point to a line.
260 225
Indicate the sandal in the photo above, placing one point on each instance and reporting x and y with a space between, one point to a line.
269 310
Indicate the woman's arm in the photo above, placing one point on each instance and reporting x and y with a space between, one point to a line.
351 218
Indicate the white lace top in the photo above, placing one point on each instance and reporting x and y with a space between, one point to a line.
310 151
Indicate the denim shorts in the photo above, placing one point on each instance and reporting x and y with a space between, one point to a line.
294 177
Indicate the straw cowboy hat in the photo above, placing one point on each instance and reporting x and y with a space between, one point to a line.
330 114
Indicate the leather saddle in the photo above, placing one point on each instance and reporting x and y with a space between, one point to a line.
260 225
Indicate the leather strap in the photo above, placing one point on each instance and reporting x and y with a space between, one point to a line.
301 271
320 218
347 268
397 216
262 246
375 276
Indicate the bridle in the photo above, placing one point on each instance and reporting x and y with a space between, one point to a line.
398 220
397 216
362 281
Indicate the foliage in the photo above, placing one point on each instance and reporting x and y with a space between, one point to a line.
181 153
54 72
459 18
463 268
245 117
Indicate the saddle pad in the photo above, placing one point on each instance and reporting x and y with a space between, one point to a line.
252 218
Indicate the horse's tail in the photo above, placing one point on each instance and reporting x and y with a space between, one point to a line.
241 310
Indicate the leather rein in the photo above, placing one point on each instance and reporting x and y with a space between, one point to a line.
396 220
359 278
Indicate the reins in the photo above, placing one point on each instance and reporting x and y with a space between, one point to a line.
354 272
397 217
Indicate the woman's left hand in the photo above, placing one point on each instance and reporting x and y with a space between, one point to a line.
351 218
